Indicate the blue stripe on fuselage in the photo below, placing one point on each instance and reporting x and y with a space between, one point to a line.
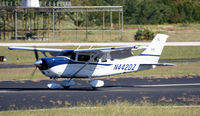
74 62
149 55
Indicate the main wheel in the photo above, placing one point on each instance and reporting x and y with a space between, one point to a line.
95 88
66 87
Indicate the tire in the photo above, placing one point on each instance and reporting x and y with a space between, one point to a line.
66 87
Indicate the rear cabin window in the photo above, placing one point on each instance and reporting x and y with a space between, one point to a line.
83 57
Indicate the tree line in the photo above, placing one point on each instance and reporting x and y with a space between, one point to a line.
154 11
148 11
161 11
142 11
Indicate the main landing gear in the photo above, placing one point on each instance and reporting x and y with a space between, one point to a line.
95 84
67 83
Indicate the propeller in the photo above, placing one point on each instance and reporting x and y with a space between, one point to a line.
36 57
36 54
33 73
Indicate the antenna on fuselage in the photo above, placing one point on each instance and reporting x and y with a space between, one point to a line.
91 47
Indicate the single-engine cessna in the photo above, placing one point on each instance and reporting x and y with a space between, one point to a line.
97 62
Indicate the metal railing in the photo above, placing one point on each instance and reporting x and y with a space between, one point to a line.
56 7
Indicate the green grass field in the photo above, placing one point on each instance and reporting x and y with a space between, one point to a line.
111 109
176 32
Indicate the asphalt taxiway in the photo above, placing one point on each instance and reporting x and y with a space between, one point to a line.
35 95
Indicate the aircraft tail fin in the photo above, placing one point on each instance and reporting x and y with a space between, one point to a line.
155 48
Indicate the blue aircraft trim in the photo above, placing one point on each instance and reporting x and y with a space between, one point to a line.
89 63
149 55
55 61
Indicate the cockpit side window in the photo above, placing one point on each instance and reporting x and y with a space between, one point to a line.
96 59
103 60
83 57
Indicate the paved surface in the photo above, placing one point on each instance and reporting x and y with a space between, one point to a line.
100 44
31 95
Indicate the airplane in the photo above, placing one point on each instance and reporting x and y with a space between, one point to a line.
95 62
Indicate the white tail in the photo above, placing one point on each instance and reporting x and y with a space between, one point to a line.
155 48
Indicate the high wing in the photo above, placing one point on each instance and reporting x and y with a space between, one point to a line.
112 52
53 52
103 53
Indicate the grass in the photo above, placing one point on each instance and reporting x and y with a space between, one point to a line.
111 109
176 32
180 52
20 74
188 68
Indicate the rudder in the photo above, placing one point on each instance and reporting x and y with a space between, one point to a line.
156 46
154 50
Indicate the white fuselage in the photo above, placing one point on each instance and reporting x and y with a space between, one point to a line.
94 69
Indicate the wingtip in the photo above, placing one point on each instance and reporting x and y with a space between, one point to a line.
10 48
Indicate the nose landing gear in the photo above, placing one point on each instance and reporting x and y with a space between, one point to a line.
54 85
64 84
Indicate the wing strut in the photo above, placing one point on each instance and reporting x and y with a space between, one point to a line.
44 54
79 69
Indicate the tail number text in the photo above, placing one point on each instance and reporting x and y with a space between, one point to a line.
124 67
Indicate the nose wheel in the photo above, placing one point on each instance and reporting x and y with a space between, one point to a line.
64 84
54 85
